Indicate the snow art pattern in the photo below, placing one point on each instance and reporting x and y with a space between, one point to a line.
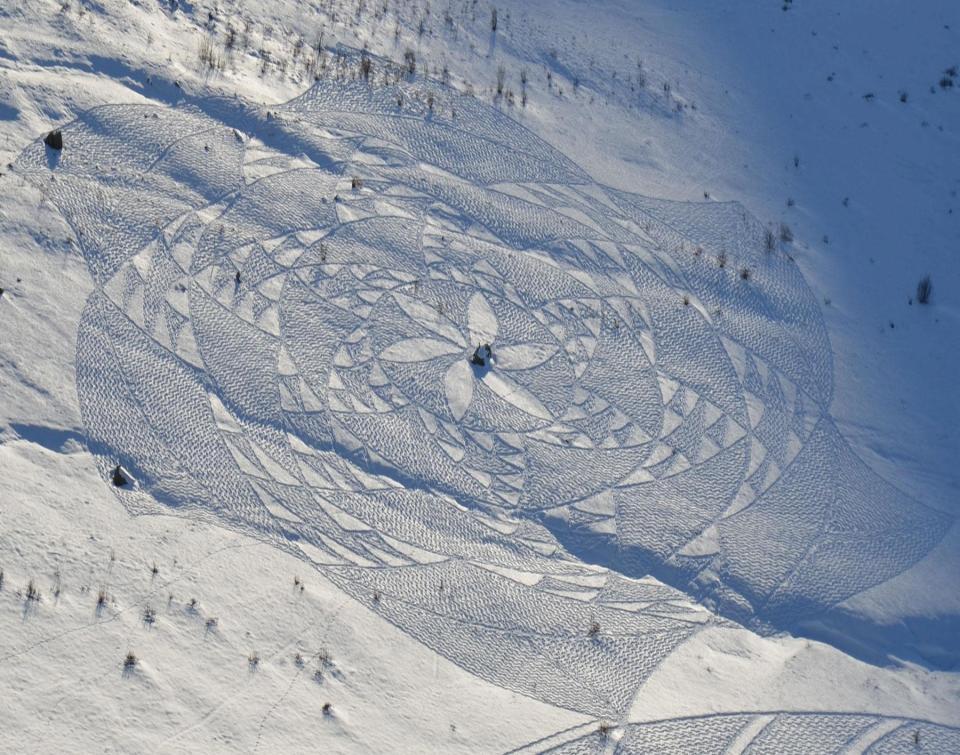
282 334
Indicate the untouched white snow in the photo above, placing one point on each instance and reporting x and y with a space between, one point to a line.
701 497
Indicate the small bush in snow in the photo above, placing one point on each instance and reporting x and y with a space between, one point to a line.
130 661
769 241
924 289
594 629
323 659
210 59
786 234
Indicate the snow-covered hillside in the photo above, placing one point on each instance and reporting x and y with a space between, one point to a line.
403 377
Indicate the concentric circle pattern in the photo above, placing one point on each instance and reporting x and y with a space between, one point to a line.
482 393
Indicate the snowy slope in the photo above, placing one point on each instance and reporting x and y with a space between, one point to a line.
697 440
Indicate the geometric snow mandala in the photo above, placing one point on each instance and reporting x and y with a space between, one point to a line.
418 338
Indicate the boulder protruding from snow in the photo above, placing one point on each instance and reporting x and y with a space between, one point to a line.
119 477
54 140
481 357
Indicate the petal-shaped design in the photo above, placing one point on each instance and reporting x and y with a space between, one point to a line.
418 350
458 384
514 393
428 317
523 356
481 320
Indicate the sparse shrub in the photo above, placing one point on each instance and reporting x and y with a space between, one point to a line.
501 78
327 709
410 60
493 20
298 660
211 624
924 289
786 234
594 629
356 183
210 59
323 659
769 241
33 592
149 616
1 579
686 301
154 571
745 273
722 259
604 729
253 660
129 661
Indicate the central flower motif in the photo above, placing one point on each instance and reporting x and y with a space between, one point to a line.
461 377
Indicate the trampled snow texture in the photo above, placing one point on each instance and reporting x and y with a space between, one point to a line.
774 733
286 305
